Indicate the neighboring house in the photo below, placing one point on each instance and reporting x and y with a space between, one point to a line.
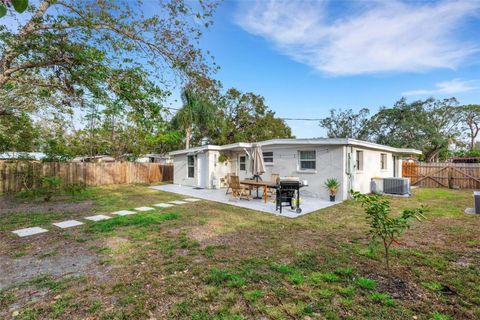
94 159
352 162
155 158
22 155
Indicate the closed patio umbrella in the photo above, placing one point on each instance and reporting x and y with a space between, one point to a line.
257 166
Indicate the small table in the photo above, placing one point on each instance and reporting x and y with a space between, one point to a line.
264 184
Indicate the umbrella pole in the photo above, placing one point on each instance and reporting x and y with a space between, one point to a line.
256 179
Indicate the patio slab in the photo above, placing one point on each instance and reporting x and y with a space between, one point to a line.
123 213
144 209
218 195
178 202
29 231
191 199
68 224
98 217
163 205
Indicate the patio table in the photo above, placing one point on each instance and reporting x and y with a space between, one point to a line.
264 184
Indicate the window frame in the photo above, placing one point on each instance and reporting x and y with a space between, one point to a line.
191 165
383 161
240 163
314 160
359 160
268 163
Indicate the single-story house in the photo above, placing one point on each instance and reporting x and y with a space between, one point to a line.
13 155
155 158
352 162
94 159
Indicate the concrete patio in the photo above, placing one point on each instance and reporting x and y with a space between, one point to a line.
218 195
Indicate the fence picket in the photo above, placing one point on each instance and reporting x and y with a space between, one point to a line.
441 175
14 174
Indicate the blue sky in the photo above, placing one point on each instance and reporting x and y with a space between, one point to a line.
308 57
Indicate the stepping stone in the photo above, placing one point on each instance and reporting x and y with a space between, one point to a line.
178 202
98 217
68 224
192 199
144 208
123 213
29 231
163 205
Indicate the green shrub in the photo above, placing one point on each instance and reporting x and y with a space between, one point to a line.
50 186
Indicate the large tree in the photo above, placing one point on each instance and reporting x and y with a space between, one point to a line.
470 120
347 124
246 118
429 125
197 112
70 52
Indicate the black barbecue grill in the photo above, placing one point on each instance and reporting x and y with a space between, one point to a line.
288 189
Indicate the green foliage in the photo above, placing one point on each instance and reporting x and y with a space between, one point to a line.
440 316
347 124
18 133
382 225
221 276
428 125
222 158
19 5
366 283
50 186
382 298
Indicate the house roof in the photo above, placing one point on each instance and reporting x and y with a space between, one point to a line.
297 142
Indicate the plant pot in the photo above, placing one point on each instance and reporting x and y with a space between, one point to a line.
332 198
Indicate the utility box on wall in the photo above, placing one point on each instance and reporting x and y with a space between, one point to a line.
476 198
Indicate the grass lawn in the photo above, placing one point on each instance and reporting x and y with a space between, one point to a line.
206 260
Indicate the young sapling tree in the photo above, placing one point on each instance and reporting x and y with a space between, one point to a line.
382 224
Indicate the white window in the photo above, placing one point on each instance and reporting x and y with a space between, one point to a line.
243 163
268 157
383 161
190 166
307 159
359 164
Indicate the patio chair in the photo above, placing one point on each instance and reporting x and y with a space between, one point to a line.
239 191
274 177
228 181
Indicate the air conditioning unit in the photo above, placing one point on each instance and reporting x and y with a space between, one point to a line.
396 186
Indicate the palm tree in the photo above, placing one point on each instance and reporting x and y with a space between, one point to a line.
196 111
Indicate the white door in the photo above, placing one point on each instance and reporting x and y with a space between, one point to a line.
202 170
243 167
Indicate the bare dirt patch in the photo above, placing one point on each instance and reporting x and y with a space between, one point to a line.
12 205
55 257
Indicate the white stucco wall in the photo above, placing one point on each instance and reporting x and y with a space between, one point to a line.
372 168
331 162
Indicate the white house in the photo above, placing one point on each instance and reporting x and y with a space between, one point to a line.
352 162
155 158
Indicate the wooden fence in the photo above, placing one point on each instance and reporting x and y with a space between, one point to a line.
443 175
18 175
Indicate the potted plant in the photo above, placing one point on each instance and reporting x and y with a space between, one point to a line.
332 185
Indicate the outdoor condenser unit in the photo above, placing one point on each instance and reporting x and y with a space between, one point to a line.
396 186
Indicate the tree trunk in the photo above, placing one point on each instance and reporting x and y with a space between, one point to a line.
187 137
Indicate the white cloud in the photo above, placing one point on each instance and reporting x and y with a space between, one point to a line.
446 88
367 37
